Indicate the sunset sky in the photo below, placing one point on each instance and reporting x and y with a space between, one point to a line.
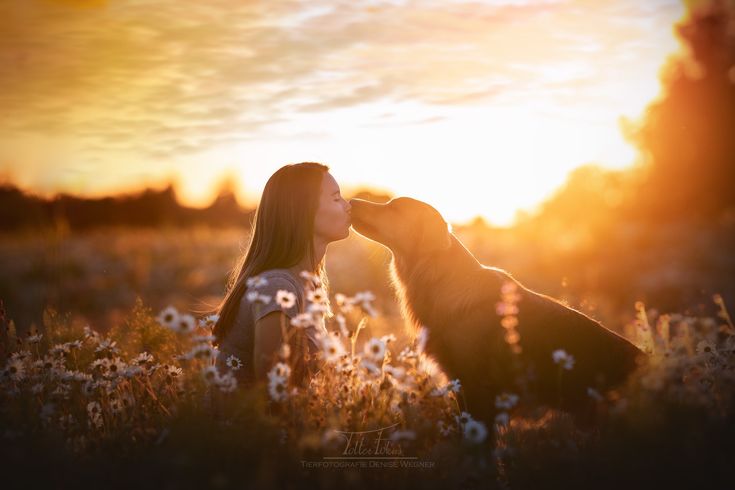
477 107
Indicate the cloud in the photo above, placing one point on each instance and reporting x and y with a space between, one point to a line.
147 75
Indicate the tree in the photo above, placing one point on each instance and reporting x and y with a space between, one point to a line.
688 135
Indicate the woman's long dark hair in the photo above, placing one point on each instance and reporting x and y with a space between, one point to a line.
282 234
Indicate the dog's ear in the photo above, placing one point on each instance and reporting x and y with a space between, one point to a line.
436 236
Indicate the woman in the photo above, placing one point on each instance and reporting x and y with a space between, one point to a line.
301 211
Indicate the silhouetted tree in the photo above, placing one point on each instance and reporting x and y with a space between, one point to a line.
689 134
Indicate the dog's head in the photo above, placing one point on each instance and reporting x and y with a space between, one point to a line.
406 226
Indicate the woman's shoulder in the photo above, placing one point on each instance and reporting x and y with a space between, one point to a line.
279 277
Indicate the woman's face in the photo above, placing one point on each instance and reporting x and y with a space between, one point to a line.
332 220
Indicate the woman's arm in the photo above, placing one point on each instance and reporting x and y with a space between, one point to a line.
267 341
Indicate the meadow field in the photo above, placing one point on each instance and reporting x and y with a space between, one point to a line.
99 387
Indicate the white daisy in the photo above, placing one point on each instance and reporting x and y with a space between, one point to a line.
16 370
256 282
285 299
210 374
277 389
344 303
502 419
316 307
475 432
168 317
506 401
561 357
185 324
375 349
332 348
318 295
303 320
454 386
209 321
233 363
280 370
463 418
310 276
705 347
227 383
256 297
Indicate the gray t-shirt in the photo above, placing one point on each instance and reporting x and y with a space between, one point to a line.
239 341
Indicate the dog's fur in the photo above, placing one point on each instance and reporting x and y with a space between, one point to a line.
443 287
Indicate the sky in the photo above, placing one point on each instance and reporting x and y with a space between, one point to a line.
480 108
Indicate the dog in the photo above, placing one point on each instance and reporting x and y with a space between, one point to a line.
442 286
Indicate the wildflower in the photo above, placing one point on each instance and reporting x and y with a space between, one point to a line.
375 349
16 369
407 354
256 282
94 410
561 357
88 388
344 303
395 371
132 371
463 418
37 388
116 366
318 295
173 371
502 419
74 344
201 339
200 351
302 320
107 346
233 363
365 300
454 386
142 359
370 367
705 347
280 370
475 432
209 321
444 428
59 350
506 401
310 276
35 339
256 297
332 348
342 323
185 324
168 317
285 299
227 383
316 307
90 334
277 389
210 374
